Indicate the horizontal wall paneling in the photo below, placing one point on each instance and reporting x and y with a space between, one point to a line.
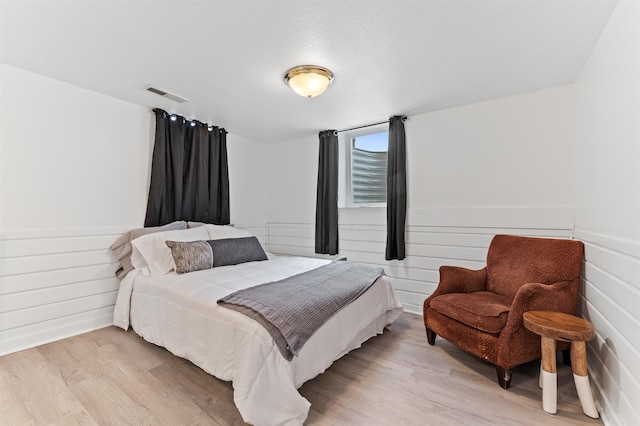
610 290
433 239
55 283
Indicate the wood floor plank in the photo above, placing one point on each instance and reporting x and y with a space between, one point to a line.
214 397
108 404
37 388
113 377
69 358
12 404
78 418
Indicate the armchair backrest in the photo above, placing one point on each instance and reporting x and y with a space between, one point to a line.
513 261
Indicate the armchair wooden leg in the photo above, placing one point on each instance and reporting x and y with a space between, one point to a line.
504 377
431 336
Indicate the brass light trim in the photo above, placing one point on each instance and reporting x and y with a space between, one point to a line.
309 80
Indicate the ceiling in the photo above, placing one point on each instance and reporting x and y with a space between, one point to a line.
229 57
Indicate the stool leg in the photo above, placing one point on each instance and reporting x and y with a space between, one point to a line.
549 379
580 376
540 376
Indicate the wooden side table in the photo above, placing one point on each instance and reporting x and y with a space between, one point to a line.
552 326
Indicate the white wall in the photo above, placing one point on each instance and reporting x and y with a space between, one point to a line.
474 171
293 176
247 186
608 131
514 151
71 158
74 175
607 203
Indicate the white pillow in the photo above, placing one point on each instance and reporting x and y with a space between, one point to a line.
152 256
219 232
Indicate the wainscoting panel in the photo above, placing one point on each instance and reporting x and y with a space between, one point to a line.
259 230
610 295
59 283
55 284
434 237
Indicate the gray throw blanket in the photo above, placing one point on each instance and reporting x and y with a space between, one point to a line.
293 309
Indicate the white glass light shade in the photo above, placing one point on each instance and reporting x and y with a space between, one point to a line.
309 80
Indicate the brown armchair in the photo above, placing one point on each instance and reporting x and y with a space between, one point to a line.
481 311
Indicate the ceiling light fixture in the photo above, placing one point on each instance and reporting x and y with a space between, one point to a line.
308 80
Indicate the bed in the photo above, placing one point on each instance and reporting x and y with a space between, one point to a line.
180 312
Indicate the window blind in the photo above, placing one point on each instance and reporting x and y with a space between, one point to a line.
368 176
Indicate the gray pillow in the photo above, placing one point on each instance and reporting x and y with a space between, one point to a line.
191 256
122 246
233 251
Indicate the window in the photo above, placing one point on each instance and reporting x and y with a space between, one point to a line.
365 171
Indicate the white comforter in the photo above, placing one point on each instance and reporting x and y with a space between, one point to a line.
180 313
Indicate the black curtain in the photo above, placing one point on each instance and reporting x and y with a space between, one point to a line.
327 194
189 172
396 189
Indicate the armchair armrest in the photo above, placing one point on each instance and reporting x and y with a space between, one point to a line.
454 279
559 297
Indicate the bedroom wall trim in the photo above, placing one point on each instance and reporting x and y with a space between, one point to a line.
431 239
546 217
55 283
257 229
610 285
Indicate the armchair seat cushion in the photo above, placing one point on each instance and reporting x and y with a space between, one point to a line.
481 310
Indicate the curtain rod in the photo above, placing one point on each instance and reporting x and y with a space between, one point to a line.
187 119
404 117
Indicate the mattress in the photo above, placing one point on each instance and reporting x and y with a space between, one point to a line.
180 313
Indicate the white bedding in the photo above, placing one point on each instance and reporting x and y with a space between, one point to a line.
180 313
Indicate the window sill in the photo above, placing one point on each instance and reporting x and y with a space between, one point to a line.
359 206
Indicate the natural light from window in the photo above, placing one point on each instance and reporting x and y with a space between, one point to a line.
369 168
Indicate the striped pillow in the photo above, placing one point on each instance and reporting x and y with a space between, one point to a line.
191 256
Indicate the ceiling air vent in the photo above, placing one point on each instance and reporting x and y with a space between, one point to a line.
166 94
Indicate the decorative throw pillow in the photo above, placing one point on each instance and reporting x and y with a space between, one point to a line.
233 251
152 256
191 256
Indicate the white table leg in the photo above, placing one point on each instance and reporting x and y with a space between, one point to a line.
549 392
585 396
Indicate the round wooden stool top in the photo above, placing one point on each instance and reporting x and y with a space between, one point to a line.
559 326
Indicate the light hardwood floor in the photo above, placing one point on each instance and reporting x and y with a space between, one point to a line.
113 377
